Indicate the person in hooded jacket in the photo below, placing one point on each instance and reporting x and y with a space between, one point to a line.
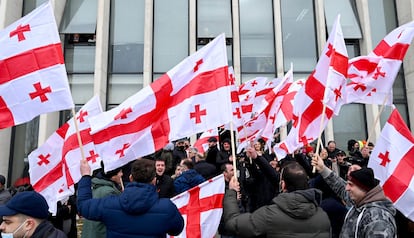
372 213
137 212
294 212
188 178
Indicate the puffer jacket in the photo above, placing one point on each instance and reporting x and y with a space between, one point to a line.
294 214
372 217
187 180
137 212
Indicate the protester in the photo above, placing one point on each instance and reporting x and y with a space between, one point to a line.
103 184
25 215
212 152
165 184
4 193
331 149
206 170
188 178
137 212
372 214
295 211
339 165
65 219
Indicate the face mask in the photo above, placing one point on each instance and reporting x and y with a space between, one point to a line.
10 235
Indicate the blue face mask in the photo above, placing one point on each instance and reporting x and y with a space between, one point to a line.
10 235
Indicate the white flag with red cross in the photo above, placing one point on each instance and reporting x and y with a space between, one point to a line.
201 208
202 143
393 163
33 76
54 166
373 76
324 87
192 97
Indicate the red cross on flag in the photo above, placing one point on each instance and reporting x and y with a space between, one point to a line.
238 118
372 76
324 87
33 76
201 208
57 161
393 163
202 143
192 97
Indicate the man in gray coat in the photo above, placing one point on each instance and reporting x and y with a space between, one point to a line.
372 214
294 212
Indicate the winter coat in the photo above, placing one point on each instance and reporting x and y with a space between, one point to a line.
100 188
187 180
294 214
46 229
137 212
372 217
165 186
205 169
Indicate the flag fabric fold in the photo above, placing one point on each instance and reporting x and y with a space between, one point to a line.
372 76
192 97
202 142
393 163
33 76
54 167
201 208
324 88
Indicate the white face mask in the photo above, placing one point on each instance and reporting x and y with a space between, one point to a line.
10 235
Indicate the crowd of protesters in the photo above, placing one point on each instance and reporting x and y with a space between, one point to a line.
265 196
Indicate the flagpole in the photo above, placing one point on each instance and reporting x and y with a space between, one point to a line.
377 118
233 150
320 134
78 133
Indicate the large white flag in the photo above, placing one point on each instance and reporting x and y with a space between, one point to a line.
201 208
33 76
393 163
192 97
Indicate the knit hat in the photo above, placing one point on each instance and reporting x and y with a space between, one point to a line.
340 152
29 203
212 139
111 173
363 178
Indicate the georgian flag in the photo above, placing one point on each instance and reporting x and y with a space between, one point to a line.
33 76
201 208
202 143
54 166
192 97
393 163
373 76
324 87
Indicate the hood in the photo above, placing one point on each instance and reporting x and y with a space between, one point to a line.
300 204
376 198
138 198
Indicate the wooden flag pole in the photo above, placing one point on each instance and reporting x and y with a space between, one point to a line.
233 150
78 133
376 119
320 134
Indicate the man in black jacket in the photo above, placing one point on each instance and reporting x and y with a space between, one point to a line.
164 183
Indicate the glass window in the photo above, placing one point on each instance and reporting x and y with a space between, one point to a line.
81 86
127 36
170 34
299 35
257 37
349 21
30 5
79 58
247 77
350 124
122 86
383 19
79 17
214 18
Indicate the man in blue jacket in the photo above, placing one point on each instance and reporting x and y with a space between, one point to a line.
137 212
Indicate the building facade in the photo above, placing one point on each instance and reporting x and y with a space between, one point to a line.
114 48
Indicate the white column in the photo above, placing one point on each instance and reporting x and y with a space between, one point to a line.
148 36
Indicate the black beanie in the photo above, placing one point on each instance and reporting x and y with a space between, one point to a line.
109 174
363 178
